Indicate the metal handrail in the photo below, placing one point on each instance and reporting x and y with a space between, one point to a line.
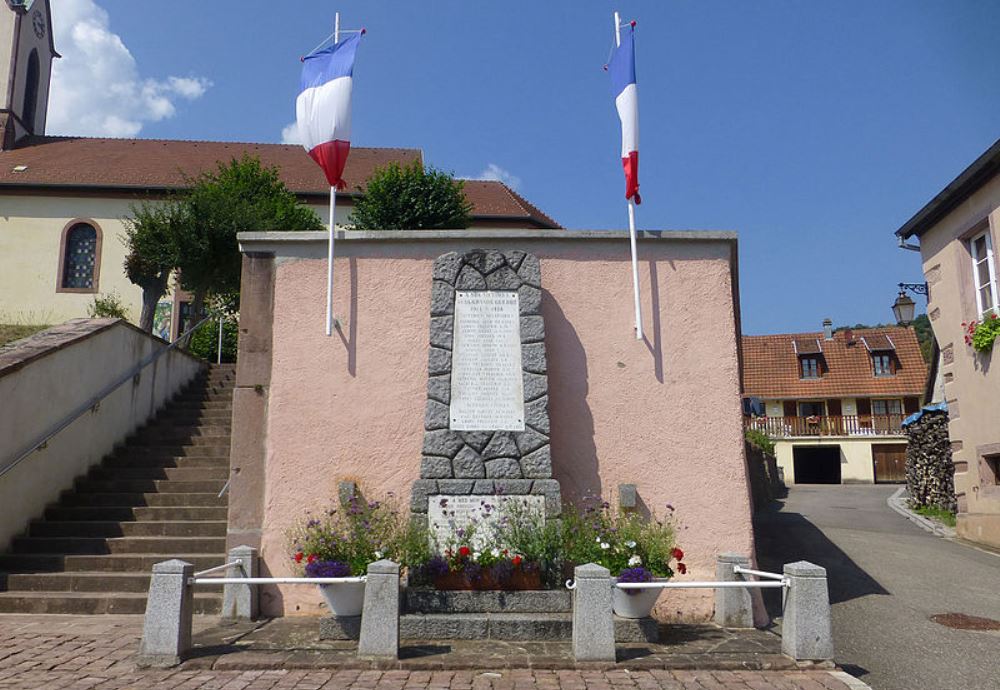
93 401
276 580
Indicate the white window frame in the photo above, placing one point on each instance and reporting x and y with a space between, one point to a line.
886 402
990 265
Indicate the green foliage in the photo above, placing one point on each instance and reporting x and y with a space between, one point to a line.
761 441
594 533
240 196
205 341
108 306
9 332
981 334
411 198
151 235
934 513
921 326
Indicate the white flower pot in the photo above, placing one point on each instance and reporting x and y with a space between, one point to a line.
344 598
634 603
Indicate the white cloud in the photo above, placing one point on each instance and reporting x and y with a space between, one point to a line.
290 134
96 87
495 172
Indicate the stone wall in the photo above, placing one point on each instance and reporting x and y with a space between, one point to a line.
486 462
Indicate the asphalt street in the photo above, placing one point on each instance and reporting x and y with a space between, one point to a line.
887 577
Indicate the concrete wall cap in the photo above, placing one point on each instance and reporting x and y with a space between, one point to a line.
804 569
591 571
173 566
734 558
383 567
242 550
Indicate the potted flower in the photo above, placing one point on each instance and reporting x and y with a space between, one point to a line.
342 543
982 334
632 547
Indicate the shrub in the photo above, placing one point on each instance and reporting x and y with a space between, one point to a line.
205 341
108 306
758 439
411 198
980 335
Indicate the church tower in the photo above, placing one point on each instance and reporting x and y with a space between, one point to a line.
26 36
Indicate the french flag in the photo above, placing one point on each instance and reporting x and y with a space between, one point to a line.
622 70
323 107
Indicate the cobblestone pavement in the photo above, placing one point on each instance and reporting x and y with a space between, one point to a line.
90 652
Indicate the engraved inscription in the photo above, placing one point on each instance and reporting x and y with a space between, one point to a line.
487 389
447 515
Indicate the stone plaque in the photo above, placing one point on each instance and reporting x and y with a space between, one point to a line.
487 388
449 513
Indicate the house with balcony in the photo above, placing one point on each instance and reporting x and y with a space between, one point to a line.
834 402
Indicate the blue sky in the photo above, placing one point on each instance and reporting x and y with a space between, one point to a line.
814 129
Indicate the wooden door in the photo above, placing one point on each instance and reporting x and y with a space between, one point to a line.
890 462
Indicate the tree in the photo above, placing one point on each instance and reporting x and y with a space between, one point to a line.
240 196
151 242
411 198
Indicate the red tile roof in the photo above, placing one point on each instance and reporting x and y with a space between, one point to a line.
771 367
102 165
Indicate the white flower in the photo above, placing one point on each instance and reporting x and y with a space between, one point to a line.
597 539
495 552
605 545
476 555
634 561
630 544
378 554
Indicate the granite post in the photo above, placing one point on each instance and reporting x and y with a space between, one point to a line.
733 606
166 628
806 632
239 602
380 615
593 625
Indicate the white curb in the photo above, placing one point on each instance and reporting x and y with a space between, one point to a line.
850 681
898 504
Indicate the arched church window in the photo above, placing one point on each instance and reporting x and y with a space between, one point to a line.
81 257
31 91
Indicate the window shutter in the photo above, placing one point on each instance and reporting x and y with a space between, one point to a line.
791 409
864 406
833 407
911 405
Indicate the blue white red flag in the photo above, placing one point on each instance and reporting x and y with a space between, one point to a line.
622 70
323 107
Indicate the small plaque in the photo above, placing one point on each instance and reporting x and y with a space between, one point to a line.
487 389
447 514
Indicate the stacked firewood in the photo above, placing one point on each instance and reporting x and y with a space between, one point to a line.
930 476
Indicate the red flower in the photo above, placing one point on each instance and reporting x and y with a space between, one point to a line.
516 560
463 551
682 569
677 553
298 557
312 557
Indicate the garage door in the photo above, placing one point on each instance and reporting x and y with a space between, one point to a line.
816 464
890 462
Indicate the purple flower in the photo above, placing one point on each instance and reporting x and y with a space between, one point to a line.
639 574
327 569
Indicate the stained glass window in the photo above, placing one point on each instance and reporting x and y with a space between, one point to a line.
81 257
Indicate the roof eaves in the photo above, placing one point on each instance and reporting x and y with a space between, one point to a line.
957 191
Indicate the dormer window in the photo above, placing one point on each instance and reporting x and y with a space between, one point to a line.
882 364
810 368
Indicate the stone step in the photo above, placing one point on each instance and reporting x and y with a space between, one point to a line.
207 396
420 600
513 626
168 428
128 500
92 603
147 528
208 406
197 441
118 545
139 514
192 417
78 582
165 462
118 563
162 486
181 474
172 452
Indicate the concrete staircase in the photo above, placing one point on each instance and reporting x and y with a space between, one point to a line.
154 498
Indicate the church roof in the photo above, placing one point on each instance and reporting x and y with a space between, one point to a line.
99 165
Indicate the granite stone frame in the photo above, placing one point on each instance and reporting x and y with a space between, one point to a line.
487 462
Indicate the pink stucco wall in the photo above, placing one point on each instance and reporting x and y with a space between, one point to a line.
663 413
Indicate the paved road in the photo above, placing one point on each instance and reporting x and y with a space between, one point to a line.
887 577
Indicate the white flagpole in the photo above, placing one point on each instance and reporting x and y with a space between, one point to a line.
631 222
333 207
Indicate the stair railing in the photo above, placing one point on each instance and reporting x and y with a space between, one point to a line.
94 402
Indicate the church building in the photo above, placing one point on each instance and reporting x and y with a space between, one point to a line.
63 198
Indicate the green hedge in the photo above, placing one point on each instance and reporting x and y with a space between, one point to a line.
205 341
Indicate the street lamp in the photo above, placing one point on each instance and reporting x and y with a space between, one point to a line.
904 307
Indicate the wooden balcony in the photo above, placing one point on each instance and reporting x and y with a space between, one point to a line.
840 425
